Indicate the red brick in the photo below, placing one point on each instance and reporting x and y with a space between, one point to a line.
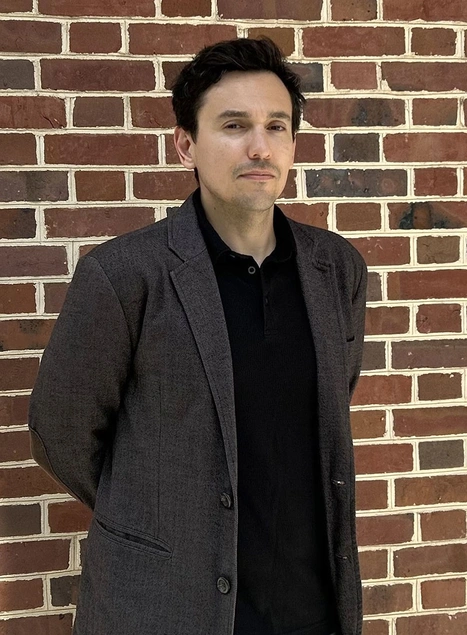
352 182
44 625
17 149
342 41
98 111
98 185
15 446
16 74
18 374
445 525
17 223
433 490
427 10
176 39
17 298
430 560
95 221
380 389
354 75
434 112
359 10
429 354
34 556
435 182
12 6
380 459
419 146
385 530
315 214
54 296
373 564
358 216
368 424
434 42
439 318
433 624
186 8
310 148
290 189
33 186
430 421
163 185
387 598
17 595
440 594
30 36
24 334
372 494
95 37
103 149
438 249
284 38
383 251
68 517
87 8
27 481
32 112
437 386
270 9
152 112
418 285
430 76
170 72
171 155
387 320
33 261
97 75
375 627
14 410
335 112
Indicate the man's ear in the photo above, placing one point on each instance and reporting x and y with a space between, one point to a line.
183 143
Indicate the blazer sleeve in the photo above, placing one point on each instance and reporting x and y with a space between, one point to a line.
358 310
80 381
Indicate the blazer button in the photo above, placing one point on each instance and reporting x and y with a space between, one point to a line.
223 585
226 500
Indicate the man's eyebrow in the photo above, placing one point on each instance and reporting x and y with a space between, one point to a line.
243 114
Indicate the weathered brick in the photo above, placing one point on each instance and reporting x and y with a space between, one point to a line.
111 8
34 556
429 354
368 424
445 525
17 223
439 318
270 10
430 559
387 320
383 251
436 249
435 182
430 76
336 112
371 495
433 490
18 373
12 6
64 590
430 421
163 185
359 10
387 598
95 221
375 627
14 410
419 146
358 216
30 36
97 75
33 186
32 112
98 111
315 214
311 76
437 386
354 75
379 459
343 41
428 215
374 356
378 389
433 42
310 148
24 334
440 594
21 595
284 38
373 564
102 149
441 454
374 292
17 149
20 520
361 183
418 285
290 189
16 74
95 37
33 261
68 517
176 39
427 10
44 625
17 298
433 624
385 530
186 8
97 185
55 293
434 112
15 445
26 481
356 147
152 112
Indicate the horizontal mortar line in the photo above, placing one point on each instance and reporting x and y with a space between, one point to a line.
410 337
449 403
428 509
37 538
380 513
426 474
64 610
414 441
42 498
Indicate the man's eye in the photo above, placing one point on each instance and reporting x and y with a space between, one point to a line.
277 126
233 126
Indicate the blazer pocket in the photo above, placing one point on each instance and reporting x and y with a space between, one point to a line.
133 541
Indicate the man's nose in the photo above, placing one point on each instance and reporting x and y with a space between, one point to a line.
258 147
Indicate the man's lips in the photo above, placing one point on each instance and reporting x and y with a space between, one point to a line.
258 176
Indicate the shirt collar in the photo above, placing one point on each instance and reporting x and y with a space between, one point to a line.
218 250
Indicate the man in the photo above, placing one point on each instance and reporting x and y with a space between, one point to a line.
195 390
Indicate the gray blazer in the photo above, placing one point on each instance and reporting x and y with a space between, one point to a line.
133 413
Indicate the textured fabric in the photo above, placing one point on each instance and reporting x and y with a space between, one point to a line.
133 411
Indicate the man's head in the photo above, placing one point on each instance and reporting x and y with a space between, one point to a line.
238 107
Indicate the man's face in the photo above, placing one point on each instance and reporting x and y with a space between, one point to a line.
244 147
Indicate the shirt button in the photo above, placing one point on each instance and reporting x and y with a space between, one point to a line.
251 270
267 300
226 500
223 585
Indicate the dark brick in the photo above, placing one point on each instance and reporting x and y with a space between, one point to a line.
387 598
430 421
16 74
27 481
152 112
55 293
433 41
335 112
310 148
17 149
33 260
108 149
336 41
176 39
20 520
98 111
14 410
359 10
95 37
86 8
64 590
95 221
25 36
17 223
436 386
430 354
374 293
33 186
17 298
430 76
97 75
186 8
361 183
311 76
356 147
436 559
97 185
44 625
374 356
428 215
24 335
18 373
21 595
270 9
12 6
441 454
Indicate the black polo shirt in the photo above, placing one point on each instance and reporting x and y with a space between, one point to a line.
283 573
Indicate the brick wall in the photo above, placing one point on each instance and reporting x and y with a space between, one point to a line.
86 154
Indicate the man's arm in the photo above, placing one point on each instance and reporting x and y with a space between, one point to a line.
82 373
358 315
